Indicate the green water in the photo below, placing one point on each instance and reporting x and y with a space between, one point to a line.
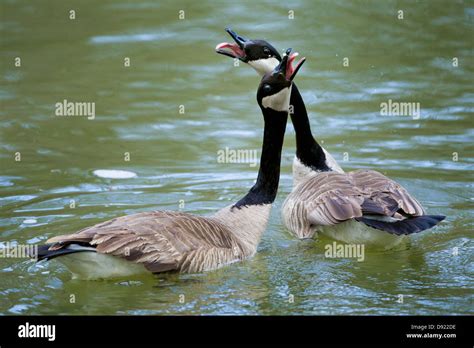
174 154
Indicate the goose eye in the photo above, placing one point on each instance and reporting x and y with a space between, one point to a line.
267 88
266 51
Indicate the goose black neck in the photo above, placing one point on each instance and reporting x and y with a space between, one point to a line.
265 189
308 151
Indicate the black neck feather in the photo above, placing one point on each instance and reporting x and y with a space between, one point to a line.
265 189
308 151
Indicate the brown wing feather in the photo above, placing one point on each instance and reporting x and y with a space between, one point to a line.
334 197
159 240
386 192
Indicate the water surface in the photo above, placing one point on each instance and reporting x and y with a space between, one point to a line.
54 189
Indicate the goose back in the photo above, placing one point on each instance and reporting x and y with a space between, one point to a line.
161 241
329 198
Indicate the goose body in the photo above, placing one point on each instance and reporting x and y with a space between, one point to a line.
167 241
161 241
362 207
359 207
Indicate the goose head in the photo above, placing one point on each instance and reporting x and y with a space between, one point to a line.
259 54
274 90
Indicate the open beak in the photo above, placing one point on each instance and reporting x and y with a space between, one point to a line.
234 50
286 65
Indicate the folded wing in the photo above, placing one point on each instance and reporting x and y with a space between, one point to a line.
161 240
331 198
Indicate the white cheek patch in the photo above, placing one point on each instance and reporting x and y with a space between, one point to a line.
279 101
263 66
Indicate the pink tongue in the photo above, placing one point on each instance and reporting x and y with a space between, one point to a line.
234 48
289 64
223 45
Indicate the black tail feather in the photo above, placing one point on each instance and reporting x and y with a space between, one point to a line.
408 226
45 254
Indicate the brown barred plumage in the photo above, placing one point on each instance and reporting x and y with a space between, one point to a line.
176 241
329 198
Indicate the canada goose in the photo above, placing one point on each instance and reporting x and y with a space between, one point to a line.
263 57
161 241
357 207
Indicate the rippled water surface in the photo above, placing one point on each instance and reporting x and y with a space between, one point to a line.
174 155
